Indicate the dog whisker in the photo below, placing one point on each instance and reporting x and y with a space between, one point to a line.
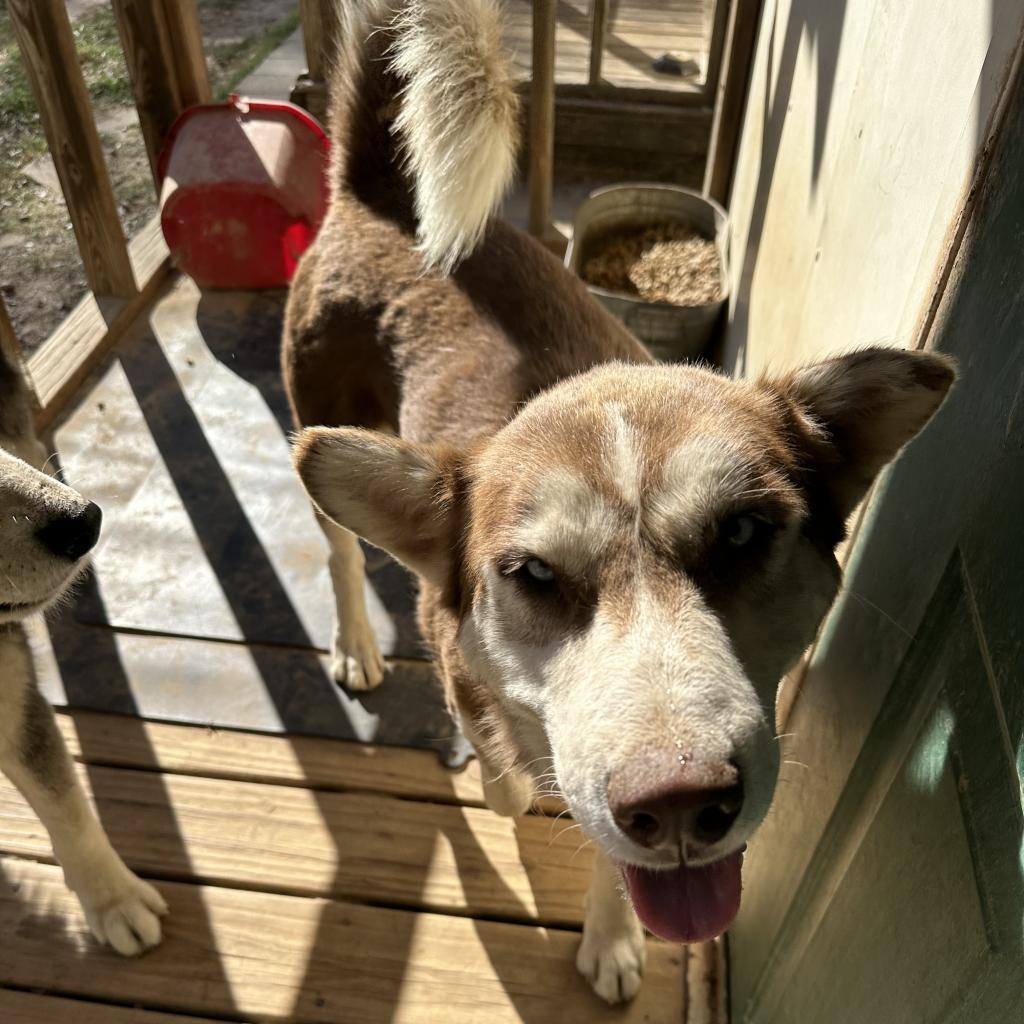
555 820
586 842
565 831
876 608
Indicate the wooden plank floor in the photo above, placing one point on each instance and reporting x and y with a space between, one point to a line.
309 880
639 31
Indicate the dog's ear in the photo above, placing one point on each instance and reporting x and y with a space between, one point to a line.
399 496
16 425
857 411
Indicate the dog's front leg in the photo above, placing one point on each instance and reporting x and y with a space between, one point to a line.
120 908
509 791
613 951
356 661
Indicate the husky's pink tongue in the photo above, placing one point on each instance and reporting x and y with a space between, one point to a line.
687 904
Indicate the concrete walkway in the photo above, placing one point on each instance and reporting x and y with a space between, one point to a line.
274 78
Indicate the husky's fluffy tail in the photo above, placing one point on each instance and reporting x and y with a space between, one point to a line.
423 100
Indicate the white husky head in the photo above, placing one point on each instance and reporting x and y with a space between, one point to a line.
46 528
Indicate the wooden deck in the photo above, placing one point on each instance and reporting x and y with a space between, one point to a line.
638 33
309 880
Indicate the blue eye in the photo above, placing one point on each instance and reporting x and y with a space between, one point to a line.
740 530
746 530
539 571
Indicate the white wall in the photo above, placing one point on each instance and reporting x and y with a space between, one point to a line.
862 130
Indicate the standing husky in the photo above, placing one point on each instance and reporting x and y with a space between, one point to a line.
619 560
46 531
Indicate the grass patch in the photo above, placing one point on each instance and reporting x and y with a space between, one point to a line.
99 56
21 134
41 275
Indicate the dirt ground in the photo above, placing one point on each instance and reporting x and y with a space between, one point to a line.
41 278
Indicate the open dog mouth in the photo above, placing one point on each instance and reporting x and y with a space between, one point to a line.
687 904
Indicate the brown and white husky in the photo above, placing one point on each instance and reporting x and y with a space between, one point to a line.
618 560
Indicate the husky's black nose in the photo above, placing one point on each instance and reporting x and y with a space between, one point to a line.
72 536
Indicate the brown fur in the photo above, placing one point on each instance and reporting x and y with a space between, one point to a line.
533 429
370 340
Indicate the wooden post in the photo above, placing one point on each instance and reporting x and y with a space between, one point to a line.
320 30
598 29
731 102
186 37
48 52
163 48
313 17
542 117
148 53
719 20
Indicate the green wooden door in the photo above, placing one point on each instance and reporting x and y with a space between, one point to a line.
887 885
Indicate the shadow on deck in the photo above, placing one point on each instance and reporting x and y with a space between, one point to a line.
310 880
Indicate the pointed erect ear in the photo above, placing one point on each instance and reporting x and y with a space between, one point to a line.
858 410
15 402
399 496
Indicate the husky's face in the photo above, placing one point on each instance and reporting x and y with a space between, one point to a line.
643 565
636 560
46 528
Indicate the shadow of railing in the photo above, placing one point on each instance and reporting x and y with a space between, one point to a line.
78 652
292 673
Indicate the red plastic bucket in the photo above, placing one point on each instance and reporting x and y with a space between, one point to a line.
244 191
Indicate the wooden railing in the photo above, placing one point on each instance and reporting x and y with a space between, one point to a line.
163 51
544 91
596 87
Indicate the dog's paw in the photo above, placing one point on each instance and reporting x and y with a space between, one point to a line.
356 661
613 963
509 795
123 912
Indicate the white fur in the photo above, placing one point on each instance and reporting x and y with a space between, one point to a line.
701 479
613 951
670 680
356 660
623 455
509 792
570 525
458 120
121 909
30 576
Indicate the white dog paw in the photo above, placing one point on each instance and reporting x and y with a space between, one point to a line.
613 963
509 795
356 661
124 913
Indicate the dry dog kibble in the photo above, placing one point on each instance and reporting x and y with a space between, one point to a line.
662 263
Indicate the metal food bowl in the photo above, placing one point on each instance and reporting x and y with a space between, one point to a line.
673 333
